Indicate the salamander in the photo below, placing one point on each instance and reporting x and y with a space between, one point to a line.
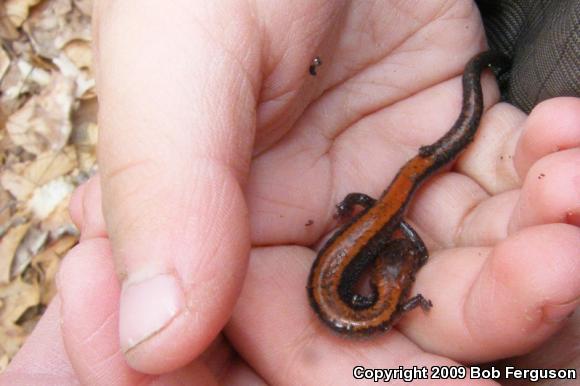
378 239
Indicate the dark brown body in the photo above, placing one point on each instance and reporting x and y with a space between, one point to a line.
379 236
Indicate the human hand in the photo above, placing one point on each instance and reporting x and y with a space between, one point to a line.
503 270
173 170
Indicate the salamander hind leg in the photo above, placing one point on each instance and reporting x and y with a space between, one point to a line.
414 302
412 255
383 277
392 275
345 208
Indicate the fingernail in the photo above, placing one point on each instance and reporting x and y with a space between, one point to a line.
558 312
147 307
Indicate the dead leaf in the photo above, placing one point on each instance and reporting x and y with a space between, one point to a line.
43 123
85 139
48 135
6 204
4 62
47 263
8 31
58 223
50 165
11 339
84 81
47 197
22 179
18 296
21 80
53 24
30 246
4 360
8 246
17 10
85 6
18 218
19 186
80 53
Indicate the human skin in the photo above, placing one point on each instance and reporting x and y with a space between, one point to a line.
215 141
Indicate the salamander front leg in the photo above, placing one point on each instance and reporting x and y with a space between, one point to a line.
345 208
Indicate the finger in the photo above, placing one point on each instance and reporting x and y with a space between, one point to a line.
551 192
555 353
501 302
86 209
363 158
445 204
75 206
240 374
87 277
177 118
477 202
553 125
45 348
283 320
489 160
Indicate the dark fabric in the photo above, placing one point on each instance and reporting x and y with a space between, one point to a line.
542 37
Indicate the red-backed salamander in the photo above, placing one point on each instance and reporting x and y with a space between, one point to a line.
379 235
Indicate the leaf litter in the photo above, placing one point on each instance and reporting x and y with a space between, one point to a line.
48 134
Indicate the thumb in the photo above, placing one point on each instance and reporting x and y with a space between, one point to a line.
177 123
